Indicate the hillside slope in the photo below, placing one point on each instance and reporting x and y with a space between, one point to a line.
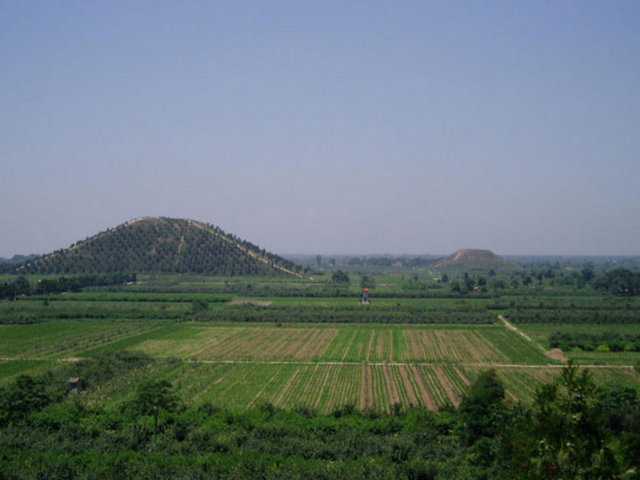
473 258
162 245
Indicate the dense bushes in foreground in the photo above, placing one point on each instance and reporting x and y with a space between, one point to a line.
573 431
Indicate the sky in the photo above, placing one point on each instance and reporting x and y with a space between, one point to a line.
358 127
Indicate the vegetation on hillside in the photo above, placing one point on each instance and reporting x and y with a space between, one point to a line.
162 245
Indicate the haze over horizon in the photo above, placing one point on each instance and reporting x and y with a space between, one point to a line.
325 127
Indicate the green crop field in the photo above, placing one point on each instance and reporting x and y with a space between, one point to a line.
484 345
64 338
319 366
239 343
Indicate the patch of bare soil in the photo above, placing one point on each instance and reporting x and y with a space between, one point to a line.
556 354
366 397
244 301
462 376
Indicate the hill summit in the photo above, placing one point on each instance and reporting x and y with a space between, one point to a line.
472 258
162 245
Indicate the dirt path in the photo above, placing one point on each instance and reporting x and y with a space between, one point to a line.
366 395
553 354
250 301
513 328
336 362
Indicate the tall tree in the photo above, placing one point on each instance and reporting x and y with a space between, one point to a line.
571 441
152 396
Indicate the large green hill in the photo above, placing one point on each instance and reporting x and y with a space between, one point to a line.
162 245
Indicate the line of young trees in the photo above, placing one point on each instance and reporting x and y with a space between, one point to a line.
607 341
346 314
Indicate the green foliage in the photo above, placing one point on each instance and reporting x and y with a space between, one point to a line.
570 436
106 366
154 396
340 277
620 281
601 342
481 409
23 396
367 281
349 314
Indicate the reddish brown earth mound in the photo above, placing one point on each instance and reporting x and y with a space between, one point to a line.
472 258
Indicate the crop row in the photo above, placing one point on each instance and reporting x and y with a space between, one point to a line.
326 387
321 387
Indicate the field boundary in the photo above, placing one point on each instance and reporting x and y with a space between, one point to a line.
333 362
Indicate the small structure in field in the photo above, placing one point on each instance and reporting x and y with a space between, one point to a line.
74 384
365 296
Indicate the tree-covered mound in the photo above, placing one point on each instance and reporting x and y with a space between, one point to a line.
162 245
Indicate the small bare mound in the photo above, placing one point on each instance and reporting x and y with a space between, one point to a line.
556 354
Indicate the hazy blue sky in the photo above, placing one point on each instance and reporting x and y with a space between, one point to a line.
325 126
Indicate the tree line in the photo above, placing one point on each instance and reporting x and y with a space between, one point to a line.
606 341
22 286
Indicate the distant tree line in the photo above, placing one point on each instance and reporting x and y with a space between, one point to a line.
21 286
618 282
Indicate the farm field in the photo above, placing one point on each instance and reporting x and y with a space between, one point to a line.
64 338
324 387
318 366
238 343
486 345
